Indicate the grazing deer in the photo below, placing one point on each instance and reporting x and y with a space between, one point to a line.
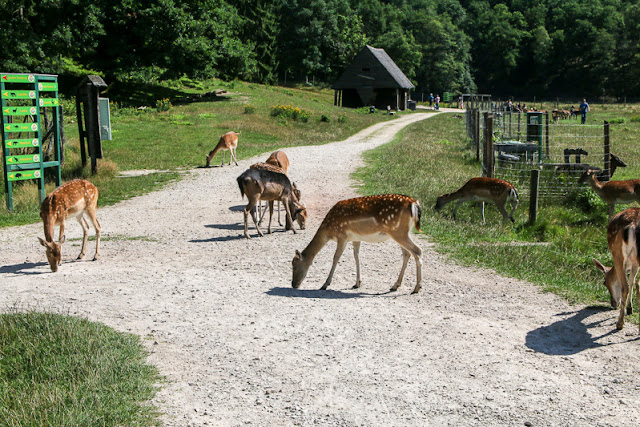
623 236
280 159
302 216
364 219
259 185
498 191
613 192
73 199
228 141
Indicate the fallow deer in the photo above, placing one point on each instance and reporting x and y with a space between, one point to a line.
73 199
371 219
497 191
228 141
623 236
302 216
280 159
613 192
259 185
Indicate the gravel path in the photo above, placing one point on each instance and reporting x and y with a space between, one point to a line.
239 346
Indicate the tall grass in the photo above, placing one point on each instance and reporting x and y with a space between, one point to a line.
433 157
64 371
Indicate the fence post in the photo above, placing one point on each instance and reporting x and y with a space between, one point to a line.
546 124
533 198
476 131
487 153
607 153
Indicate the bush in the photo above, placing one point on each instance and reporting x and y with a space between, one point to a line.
617 121
342 118
324 118
290 112
249 109
163 104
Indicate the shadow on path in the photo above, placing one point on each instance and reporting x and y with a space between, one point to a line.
319 294
19 268
571 335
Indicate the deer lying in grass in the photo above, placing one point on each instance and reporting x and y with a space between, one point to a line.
615 163
73 199
228 141
623 236
259 185
497 191
613 192
364 219
302 216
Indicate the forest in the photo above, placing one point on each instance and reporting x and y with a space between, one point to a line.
505 48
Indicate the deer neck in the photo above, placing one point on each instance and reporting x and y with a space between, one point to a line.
317 243
595 183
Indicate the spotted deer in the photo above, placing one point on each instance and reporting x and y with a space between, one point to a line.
497 191
371 219
623 237
613 192
228 141
73 199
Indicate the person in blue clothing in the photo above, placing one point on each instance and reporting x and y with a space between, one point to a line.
430 100
584 109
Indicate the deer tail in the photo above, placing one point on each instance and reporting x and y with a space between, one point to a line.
416 214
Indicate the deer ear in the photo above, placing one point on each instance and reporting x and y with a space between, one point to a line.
43 243
600 266
298 255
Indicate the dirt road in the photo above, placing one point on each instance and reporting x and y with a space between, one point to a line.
239 346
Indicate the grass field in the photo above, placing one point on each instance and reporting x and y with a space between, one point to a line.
179 138
434 157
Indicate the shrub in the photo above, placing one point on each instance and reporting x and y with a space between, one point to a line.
325 118
617 121
163 104
290 112
249 109
342 118
288 92
635 119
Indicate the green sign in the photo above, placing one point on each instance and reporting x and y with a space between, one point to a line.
19 94
20 143
18 78
20 160
22 175
19 111
49 102
47 86
21 127
447 97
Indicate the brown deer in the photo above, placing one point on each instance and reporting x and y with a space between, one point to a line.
228 141
497 191
259 185
73 199
613 192
623 236
371 219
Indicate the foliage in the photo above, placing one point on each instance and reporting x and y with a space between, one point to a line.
163 104
61 370
290 112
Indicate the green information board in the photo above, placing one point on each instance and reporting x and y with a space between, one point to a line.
24 98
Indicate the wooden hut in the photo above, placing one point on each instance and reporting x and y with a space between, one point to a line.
372 78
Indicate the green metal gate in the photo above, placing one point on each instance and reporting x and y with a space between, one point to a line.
24 98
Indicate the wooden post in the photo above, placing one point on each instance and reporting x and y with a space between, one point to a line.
533 198
487 152
335 97
546 134
476 131
81 132
607 153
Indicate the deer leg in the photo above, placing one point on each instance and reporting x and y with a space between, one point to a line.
279 222
356 255
250 209
270 215
85 234
223 157
289 217
406 243
514 205
629 276
405 260
455 209
336 257
235 158
61 237
483 220
612 209
503 211
96 225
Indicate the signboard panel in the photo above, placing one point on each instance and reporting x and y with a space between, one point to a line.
21 143
23 159
19 94
19 111
24 174
49 102
17 78
47 87
21 127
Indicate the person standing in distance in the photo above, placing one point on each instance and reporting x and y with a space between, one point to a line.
584 109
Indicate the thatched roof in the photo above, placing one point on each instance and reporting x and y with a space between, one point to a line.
373 68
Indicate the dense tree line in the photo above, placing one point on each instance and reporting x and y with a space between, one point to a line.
513 47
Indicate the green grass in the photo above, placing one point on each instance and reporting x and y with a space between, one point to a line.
433 157
181 137
61 370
